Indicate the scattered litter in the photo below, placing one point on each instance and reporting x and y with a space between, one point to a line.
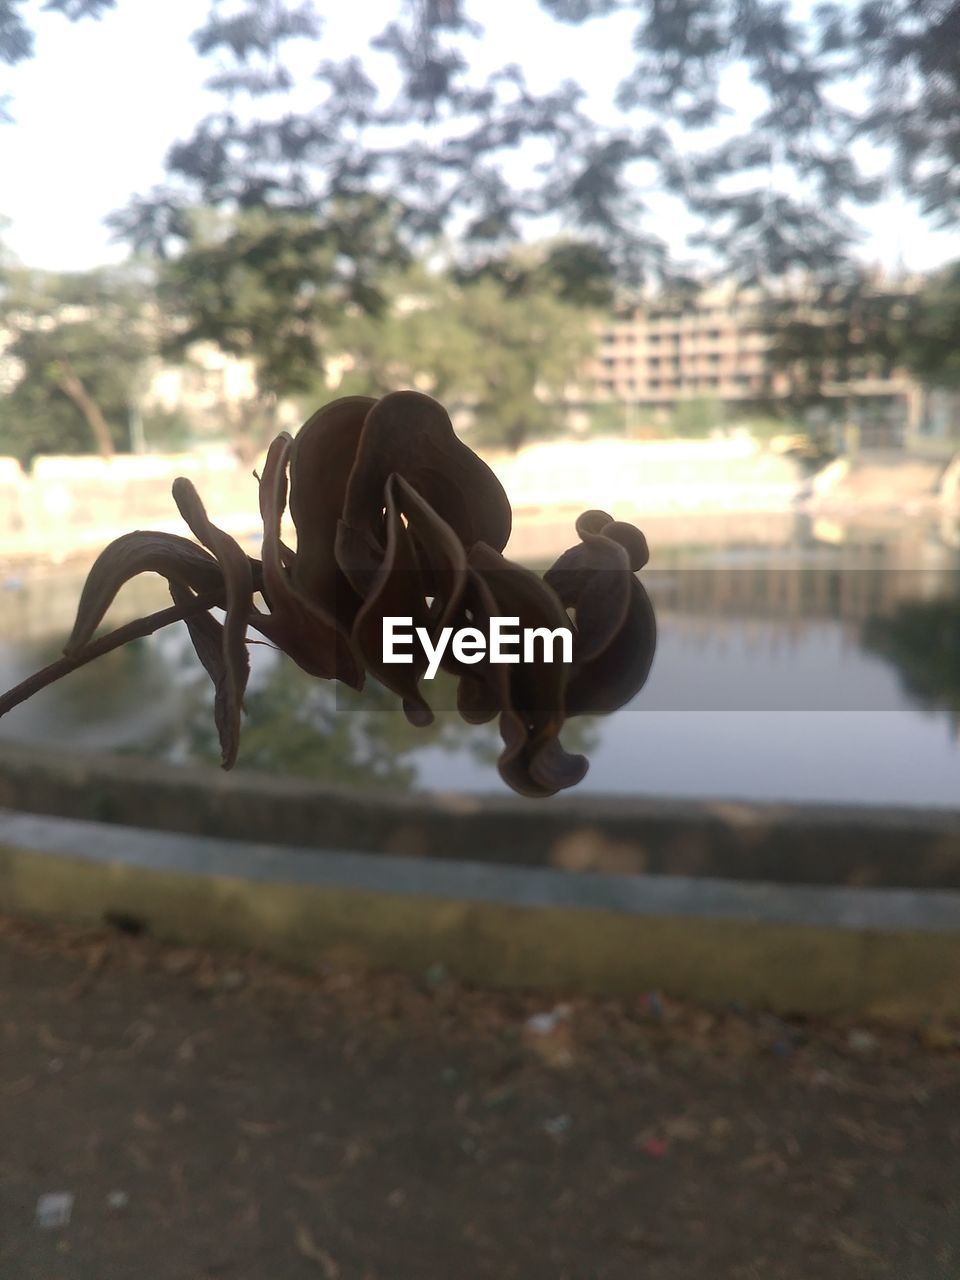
861 1041
655 1147
653 1002
556 1126
854 1249
544 1024
500 1096
309 1248
54 1210
117 1200
436 976
550 1036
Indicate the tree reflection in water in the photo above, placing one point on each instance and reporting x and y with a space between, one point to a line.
300 727
922 640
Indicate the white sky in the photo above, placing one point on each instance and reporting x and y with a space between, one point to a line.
99 105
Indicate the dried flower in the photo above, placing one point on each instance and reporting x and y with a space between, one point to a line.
395 516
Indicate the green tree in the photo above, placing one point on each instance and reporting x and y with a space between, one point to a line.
79 348
16 38
418 338
529 347
697 416
503 345
776 195
931 339
854 326
268 285
921 639
414 123
848 327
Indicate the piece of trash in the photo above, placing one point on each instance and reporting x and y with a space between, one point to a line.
117 1200
500 1096
556 1126
543 1024
309 1248
938 1036
436 976
861 1041
653 1003
54 1210
550 1036
655 1147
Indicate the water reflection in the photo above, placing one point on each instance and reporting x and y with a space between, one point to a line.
302 727
806 671
922 640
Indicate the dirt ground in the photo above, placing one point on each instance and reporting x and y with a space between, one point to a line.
216 1116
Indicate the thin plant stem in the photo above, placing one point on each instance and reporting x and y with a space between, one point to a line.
135 630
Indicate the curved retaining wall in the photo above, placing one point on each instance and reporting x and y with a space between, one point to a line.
881 952
788 844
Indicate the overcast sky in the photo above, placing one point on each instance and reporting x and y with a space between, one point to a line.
99 105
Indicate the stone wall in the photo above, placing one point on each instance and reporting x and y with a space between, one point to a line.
782 843
68 506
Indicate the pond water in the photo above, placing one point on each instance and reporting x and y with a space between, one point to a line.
826 668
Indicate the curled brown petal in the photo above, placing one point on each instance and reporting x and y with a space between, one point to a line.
593 579
144 551
411 434
442 558
238 589
533 760
296 623
397 590
631 539
321 460
613 679
616 628
206 636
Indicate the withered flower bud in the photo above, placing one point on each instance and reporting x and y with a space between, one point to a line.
395 517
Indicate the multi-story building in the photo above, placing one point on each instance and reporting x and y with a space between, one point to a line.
715 347
658 354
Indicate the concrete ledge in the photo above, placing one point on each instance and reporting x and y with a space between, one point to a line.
787 844
880 952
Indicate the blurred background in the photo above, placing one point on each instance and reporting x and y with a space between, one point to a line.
695 264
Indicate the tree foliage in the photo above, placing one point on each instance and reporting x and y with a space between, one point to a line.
931 341
922 641
502 347
771 196
80 342
856 326
16 37
761 118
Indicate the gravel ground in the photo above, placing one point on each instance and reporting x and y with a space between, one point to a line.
217 1116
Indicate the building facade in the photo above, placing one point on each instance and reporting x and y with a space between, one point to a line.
714 348
658 354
